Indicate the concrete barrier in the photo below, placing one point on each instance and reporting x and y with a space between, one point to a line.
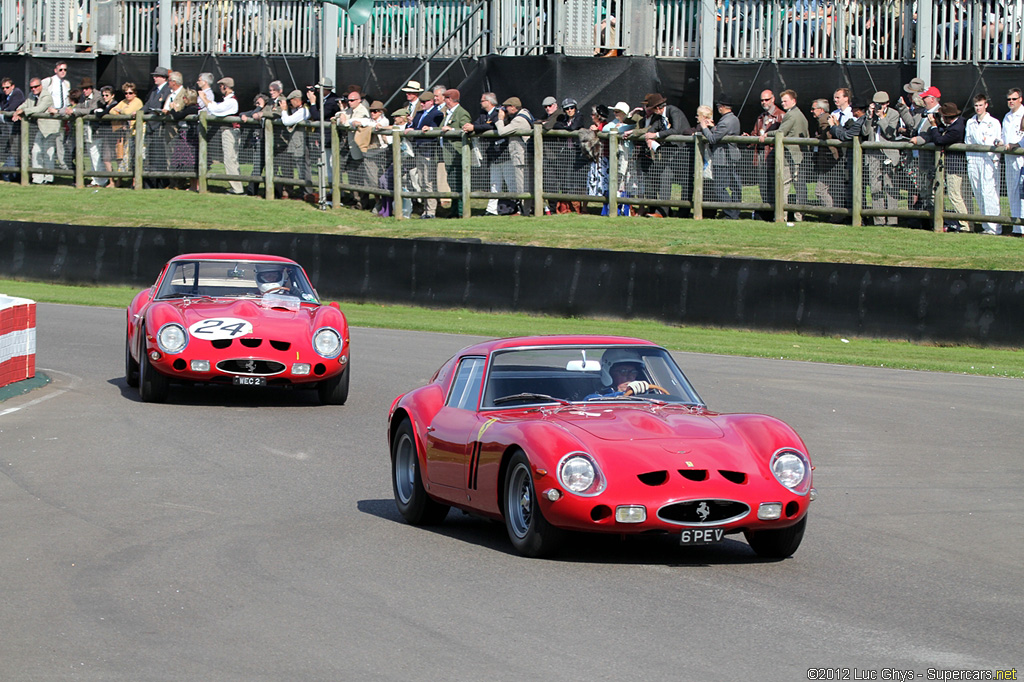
17 339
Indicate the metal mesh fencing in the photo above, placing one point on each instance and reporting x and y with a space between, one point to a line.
898 182
10 148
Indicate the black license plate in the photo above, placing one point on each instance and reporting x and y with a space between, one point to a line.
250 381
701 536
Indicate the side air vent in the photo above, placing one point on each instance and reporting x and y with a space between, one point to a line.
737 477
653 477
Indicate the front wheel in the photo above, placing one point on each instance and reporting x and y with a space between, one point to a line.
777 544
410 497
153 386
529 531
334 391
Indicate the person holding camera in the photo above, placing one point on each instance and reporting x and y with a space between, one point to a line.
883 124
942 130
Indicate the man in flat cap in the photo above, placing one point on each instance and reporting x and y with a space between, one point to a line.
154 104
882 124
455 117
513 122
87 103
228 132
725 179
669 160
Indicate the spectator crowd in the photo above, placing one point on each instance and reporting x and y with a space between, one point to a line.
650 159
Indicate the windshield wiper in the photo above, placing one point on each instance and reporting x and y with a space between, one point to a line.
640 398
529 396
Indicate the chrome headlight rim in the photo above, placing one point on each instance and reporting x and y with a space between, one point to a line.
166 342
337 340
801 487
597 483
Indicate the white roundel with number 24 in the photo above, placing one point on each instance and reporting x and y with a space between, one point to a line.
217 328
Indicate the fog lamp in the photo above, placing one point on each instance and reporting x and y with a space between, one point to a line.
631 513
813 495
301 368
200 365
769 511
154 354
552 494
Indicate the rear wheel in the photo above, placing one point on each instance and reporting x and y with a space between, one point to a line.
153 385
410 497
529 531
131 366
777 544
334 391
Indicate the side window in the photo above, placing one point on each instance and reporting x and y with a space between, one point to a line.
465 391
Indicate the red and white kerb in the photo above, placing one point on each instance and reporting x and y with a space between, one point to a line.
17 339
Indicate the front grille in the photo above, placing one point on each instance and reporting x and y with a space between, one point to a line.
250 367
703 512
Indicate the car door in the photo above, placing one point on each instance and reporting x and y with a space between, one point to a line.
450 431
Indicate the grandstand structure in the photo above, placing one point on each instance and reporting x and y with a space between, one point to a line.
691 49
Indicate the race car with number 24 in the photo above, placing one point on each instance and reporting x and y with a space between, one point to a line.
238 319
593 433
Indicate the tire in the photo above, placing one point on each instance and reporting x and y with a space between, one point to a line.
529 531
412 500
334 391
777 544
131 366
153 385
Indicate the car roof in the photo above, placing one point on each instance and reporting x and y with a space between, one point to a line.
233 256
554 340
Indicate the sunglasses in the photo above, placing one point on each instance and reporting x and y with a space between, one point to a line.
766 99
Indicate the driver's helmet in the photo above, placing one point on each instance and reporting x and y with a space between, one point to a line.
271 279
619 356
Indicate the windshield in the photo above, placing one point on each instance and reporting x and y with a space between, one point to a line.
585 373
233 279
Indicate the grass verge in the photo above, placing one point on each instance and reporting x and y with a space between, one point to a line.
807 241
829 349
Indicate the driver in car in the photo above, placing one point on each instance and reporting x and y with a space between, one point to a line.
273 281
622 372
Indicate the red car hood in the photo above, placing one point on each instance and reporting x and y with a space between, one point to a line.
639 423
266 321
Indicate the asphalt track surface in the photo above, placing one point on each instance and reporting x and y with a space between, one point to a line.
251 535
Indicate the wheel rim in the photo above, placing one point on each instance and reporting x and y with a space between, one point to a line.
520 500
405 468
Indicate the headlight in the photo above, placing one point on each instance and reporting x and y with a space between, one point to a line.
579 474
791 469
172 338
327 342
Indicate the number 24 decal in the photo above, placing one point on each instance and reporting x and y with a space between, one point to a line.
220 328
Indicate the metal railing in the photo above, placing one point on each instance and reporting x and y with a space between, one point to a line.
884 182
965 31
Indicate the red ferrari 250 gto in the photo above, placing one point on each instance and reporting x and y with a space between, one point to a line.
233 318
593 433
